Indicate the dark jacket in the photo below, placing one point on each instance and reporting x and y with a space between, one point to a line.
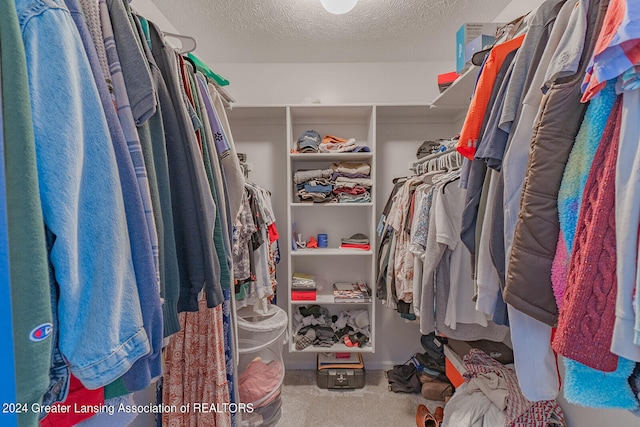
528 281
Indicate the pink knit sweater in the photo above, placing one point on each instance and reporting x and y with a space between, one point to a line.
585 323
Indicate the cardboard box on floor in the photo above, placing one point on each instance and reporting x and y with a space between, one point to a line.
456 350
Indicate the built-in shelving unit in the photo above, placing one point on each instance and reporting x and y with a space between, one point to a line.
337 220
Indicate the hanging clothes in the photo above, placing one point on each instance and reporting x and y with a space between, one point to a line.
256 250
134 107
195 369
169 269
7 369
58 142
535 237
27 255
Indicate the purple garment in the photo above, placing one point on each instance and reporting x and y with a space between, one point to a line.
348 175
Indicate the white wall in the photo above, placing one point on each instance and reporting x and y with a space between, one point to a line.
373 83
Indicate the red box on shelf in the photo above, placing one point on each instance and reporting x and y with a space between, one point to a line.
445 80
306 295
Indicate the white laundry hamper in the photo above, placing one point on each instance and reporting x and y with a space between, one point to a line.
261 338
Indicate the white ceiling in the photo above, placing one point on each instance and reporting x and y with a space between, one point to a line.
282 31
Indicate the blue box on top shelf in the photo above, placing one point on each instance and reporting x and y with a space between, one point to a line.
476 45
468 33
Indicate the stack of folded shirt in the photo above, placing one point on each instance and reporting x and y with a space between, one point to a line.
342 183
352 182
314 185
357 241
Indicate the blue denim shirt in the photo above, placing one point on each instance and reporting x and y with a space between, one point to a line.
100 323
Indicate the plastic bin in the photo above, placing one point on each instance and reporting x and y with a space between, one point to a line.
261 338
264 329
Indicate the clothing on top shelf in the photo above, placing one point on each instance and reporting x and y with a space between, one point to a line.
310 142
334 144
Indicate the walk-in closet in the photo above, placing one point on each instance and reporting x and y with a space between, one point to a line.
303 213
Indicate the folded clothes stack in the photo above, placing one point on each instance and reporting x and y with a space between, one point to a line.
313 325
310 142
333 144
342 183
352 182
357 241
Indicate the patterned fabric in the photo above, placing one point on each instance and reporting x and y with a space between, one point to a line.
228 348
617 48
244 228
196 370
520 412
585 324
91 11
573 182
129 127
419 238
397 219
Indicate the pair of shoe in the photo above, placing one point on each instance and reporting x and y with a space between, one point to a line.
424 418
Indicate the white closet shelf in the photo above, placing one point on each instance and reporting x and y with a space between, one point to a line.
456 96
328 300
330 252
324 113
336 348
312 157
299 205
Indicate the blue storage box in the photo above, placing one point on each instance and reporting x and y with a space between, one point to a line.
476 45
468 33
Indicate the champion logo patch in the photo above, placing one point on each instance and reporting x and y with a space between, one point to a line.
41 332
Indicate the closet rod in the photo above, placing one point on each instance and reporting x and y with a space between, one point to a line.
412 165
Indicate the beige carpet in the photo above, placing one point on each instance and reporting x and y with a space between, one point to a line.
306 405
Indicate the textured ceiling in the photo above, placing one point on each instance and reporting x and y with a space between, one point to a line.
256 31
